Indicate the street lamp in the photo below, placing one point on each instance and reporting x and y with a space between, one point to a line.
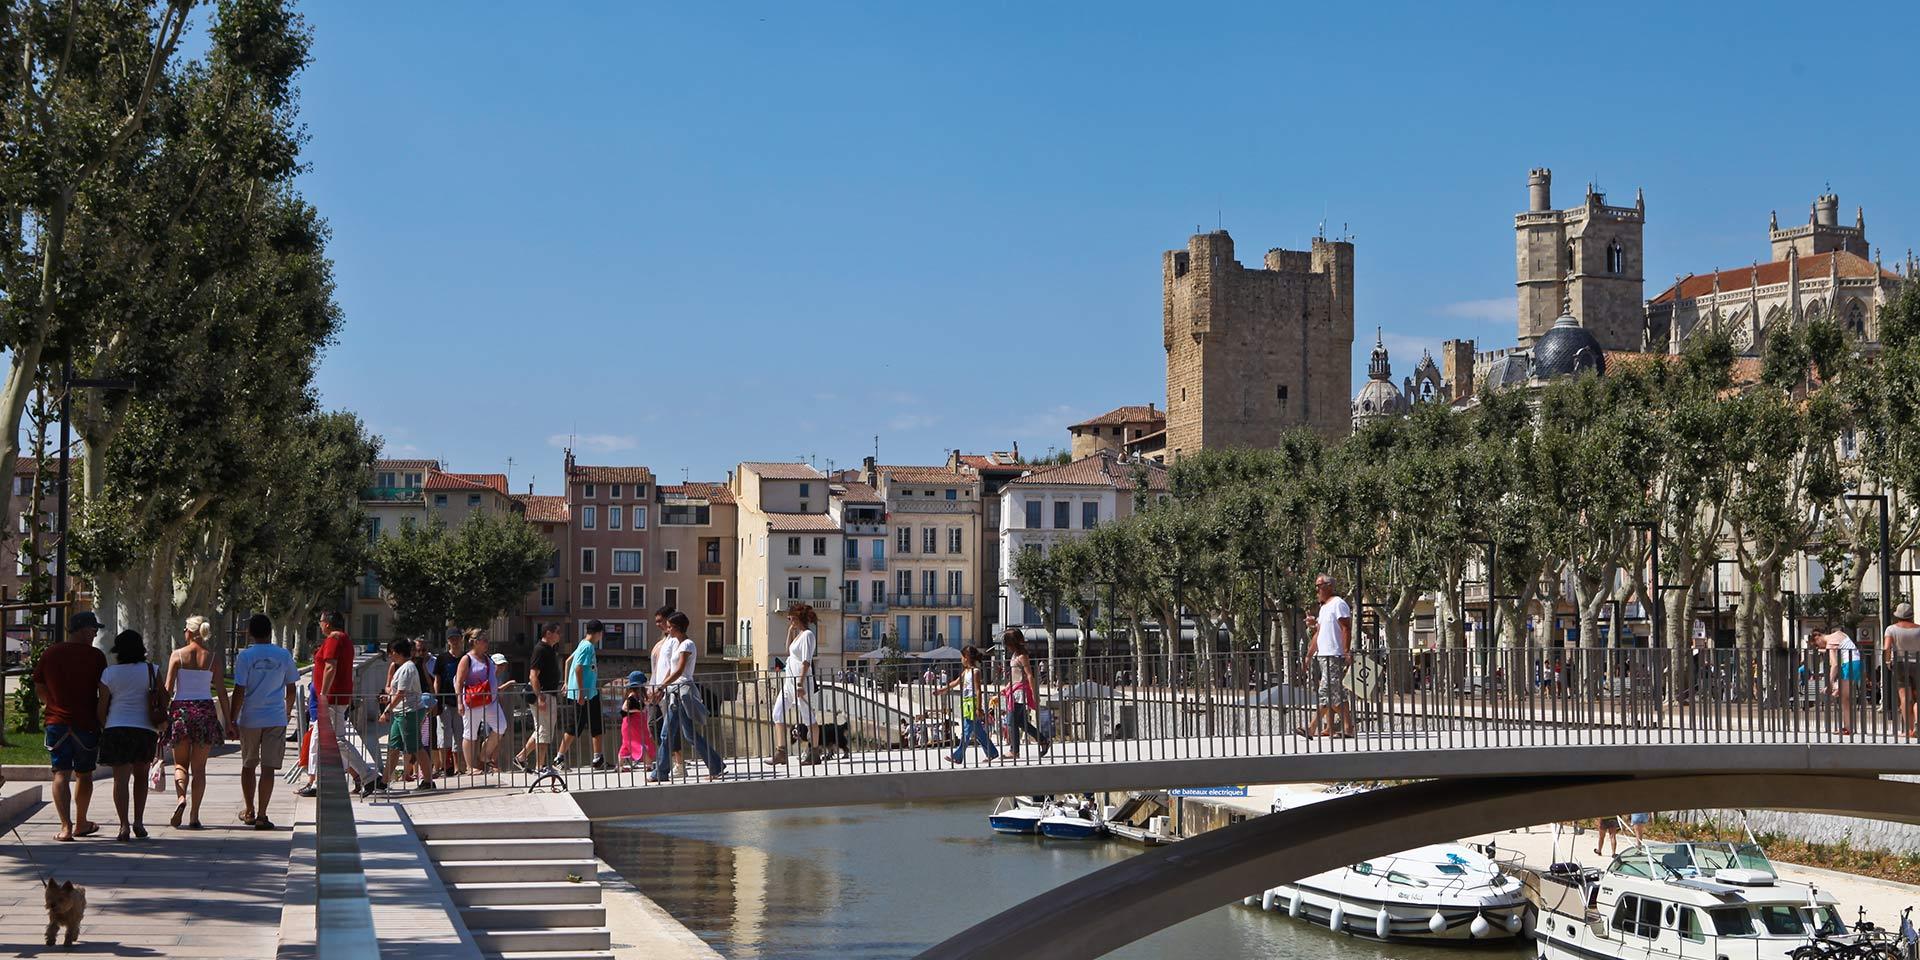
67 384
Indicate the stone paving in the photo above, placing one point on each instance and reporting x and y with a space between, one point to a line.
210 893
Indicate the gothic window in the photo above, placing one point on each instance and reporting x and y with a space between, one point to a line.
1817 308
1856 319
1569 257
1616 258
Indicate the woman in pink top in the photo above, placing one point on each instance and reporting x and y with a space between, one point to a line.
1021 695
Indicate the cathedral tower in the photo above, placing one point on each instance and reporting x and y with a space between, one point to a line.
1254 352
1589 254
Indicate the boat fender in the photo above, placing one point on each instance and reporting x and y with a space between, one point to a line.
1246 901
1380 923
1269 899
1297 905
1479 927
1337 920
1437 923
1512 922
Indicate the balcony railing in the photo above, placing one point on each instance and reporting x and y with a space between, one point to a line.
876 563
935 506
863 528
736 651
933 599
783 604
709 568
853 563
390 494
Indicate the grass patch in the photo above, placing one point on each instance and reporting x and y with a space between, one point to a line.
25 748
1843 856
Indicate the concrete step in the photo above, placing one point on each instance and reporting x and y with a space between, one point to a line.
551 955
523 892
541 916
488 829
538 848
557 938
506 871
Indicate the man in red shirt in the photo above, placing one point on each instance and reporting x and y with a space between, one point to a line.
333 681
67 681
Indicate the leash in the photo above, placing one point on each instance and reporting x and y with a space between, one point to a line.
37 869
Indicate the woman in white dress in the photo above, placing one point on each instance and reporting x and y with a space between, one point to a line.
795 705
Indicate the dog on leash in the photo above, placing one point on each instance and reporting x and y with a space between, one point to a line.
66 907
834 737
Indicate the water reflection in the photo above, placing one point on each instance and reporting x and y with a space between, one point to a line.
889 881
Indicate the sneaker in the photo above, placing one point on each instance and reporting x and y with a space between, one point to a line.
520 763
306 791
424 785
262 823
1046 747
599 762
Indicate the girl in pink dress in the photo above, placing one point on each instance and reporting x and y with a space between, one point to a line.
636 738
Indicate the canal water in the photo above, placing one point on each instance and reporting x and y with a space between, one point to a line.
888 881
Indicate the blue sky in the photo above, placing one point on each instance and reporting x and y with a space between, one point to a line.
694 234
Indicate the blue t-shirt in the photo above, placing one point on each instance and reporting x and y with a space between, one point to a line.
264 670
584 658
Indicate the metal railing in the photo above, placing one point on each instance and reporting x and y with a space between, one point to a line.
390 493
896 716
933 599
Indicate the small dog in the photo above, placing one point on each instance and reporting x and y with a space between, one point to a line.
66 907
833 737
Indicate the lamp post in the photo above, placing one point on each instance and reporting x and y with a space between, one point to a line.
67 384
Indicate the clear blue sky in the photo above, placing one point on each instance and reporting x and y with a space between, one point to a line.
694 234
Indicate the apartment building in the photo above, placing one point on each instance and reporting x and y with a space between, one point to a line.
790 550
996 470
14 578
1055 504
609 530
551 600
1113 430
397 496
696 561
862 515
934 518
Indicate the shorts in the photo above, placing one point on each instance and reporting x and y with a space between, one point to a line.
127 746
1609 823
489 716
403 734
545 714
449 723
1330 675
791 708
1850 670
70 749
1906 673
264 747
585 717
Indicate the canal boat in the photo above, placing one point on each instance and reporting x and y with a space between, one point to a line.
1441 893
1019 815
1075 818
1667 901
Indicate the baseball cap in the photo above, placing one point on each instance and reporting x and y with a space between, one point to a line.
500 659
84 620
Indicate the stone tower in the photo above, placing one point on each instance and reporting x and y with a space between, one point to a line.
1254 352
1589 254
1822 232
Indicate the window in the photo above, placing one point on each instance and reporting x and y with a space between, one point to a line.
680 515
370 626
1616 258
793 546
1089 515
1689 926
439 499
716 637
586 596
906 539
953 494
672 597
1639 916
1731 921
589 492
546 594
903 584
956 582
853 549
954 539
819 588
634 561
929 582
879 592
614 518
955 630
370 586
1782 920
929 540
589 517
613 491
901 629
413 481
373 524
473 499
382 480
639 518
586 559
672 561
613 596
1062 511
793 588
819 546
929 627
850 590
806 489
1033 514
716 598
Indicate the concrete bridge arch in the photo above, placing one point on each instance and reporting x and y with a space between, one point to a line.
1115 906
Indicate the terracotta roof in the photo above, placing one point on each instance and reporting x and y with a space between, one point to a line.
441 480
1813 267
783 471
981 462
586 474
923 475
406 464
857 492
794 522
710 492
1128 414
1099 470
544 509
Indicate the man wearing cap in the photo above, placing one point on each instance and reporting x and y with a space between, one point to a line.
67 681
1903 650
1332 655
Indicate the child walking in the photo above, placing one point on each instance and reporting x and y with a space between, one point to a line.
636 736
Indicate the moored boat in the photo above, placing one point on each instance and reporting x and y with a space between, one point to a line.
1018 815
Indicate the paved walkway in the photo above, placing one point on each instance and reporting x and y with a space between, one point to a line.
215 892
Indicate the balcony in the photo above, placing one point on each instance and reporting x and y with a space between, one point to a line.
709 568
858 527
783 604
390 494
735 651
941 600
905 505
876 563
853 563
853 606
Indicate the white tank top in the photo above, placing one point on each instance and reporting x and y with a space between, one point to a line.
193 684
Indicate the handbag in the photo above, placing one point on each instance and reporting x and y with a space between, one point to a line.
478 693
156 700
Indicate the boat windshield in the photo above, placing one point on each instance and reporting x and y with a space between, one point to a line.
1659 861
1709 857
1825 921
1782 920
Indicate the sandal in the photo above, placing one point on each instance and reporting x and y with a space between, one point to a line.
246 817
1303 732
125 835
87 829
179 813
140 830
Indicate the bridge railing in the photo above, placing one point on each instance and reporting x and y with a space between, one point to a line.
902 718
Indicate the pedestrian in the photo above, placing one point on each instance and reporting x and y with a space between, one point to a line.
1608 833
1328 663
971 726
264 682
1021 694
402 714
333 678
197 689
674 659
656 711
67 681
1843 669
1903 648
481 718
543 675
636 740
583 694
130 696
442 668
793 711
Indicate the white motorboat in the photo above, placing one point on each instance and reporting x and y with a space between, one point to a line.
1683 900
1020 815
1445 892
1073 819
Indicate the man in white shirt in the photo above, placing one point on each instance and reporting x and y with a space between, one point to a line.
1328 660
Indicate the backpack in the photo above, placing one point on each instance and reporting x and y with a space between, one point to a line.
156 699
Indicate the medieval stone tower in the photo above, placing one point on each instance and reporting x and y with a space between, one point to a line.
1589 256
1251 353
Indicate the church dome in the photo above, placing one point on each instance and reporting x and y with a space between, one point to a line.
1567 349
1378 397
